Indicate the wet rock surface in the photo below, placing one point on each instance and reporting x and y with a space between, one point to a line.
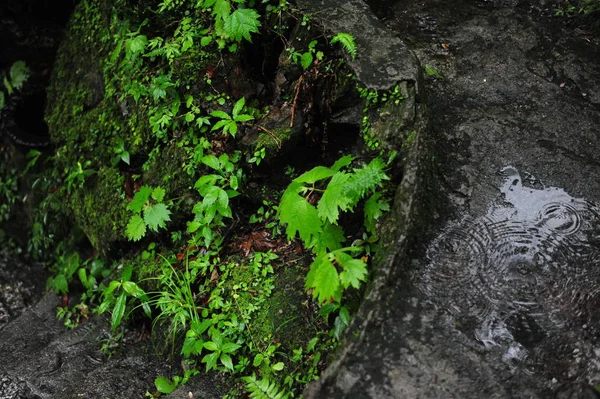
500 300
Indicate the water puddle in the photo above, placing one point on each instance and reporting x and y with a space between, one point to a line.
525 279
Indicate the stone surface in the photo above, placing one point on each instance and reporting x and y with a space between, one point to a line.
514 92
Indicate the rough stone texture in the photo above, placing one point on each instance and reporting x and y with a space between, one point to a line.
383 59
501 102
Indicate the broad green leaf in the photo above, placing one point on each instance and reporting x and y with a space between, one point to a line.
207 180
211 346
164 385
335 198
61 285
118 311
135 46
325 280
82 273
223 203
205 41
211 360
221 8
133 289
136 228
125 157
230 347
226 360
354 271
258 359
306 60
158 194
343 161
330 239
193 226
243 118
374 208
221 115
156 215
315 174
19 72
239 105
278 366
211 161
241 23
299 215
140 198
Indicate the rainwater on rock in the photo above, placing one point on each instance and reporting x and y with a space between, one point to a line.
524 279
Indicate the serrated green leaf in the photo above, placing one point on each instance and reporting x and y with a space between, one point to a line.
118 311
330 239
241 23
158 194
354 271
374 208
221 8
366 179
135 46
156 215
140 198
343 161
324 280
136 228
164 385
315 174
335 198
306 60
299 215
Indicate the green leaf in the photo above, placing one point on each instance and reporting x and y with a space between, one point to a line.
211 360
354 271
221 8
299 215
258 359
343 161
330 239
239 105
61 285
335 198
211 346
366 179
135 46
324 279
278 366
315 174
230 347
205 41
374 208
118 311
158 194
221 115
136 228
140 199
306 60
156 215
211 161
241 23
19 72
243 118
226 360
125 157
2 101
133 289
164 385
347 42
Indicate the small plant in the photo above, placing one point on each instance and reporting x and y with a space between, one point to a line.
263 388
431 71
121 154
18 74
347 42
77 175
228 123
335 267
149 203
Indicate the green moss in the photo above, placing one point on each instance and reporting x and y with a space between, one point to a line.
100 208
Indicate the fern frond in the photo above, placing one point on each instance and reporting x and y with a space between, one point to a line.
347 42
264 388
